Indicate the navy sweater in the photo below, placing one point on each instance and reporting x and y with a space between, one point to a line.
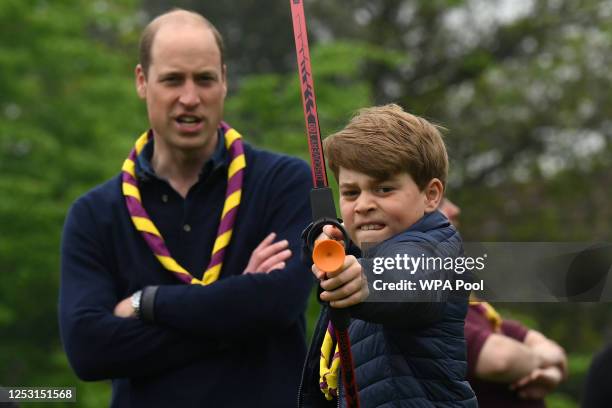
238 342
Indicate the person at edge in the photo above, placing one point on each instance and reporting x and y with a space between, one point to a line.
596 389
509 365
391 168
178 277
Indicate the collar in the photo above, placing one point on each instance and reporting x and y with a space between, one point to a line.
429 221
145 171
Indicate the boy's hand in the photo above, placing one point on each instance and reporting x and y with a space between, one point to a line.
268 256
343 288
331 232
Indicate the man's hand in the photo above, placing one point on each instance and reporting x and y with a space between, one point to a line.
124 308
549 352
343 288
268 256
538 383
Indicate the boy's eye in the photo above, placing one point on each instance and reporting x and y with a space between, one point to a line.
349 193
384 189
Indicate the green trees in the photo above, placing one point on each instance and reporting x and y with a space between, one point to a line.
67 115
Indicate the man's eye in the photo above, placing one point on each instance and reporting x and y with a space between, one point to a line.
384 189
171 80
205 79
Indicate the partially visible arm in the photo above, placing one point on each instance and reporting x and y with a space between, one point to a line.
505 360
98 344
349 288
267 257
419 308
516 356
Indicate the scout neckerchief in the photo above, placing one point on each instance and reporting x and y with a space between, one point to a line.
329 365
150 233
488 311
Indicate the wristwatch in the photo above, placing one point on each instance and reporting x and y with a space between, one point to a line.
136 297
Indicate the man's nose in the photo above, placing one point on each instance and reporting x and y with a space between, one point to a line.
189 95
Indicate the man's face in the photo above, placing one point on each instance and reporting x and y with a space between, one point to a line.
375 210
185 88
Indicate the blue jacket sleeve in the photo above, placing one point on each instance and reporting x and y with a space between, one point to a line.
98 344
403 314
255 302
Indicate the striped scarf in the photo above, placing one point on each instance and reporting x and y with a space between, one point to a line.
329 365
153 237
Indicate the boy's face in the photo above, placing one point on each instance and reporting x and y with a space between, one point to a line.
375 210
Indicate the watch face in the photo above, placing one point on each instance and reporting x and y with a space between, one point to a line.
136 302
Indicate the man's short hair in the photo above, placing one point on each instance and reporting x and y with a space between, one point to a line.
385 140
148 34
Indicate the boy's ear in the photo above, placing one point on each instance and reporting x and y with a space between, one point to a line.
433 195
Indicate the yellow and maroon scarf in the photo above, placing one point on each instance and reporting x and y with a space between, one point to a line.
150 233
329 364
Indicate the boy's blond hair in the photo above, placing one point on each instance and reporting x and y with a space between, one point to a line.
382 141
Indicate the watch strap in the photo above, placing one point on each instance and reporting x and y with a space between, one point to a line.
147 303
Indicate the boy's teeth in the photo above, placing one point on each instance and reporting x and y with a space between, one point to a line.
187 119
369 227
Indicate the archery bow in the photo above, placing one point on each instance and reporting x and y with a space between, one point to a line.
322 202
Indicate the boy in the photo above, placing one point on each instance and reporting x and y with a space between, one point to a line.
391 169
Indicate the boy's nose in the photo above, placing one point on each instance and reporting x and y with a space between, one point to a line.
365 203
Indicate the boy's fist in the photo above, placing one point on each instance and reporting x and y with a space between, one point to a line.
345 287
331 232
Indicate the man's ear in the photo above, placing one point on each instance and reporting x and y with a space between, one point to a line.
433 195
141 82
224 77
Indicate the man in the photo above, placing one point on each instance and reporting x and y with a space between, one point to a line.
173 285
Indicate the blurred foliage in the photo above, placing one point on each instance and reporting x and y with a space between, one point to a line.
522 86
68 114
275 98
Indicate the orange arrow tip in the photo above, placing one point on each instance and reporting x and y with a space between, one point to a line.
328 255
